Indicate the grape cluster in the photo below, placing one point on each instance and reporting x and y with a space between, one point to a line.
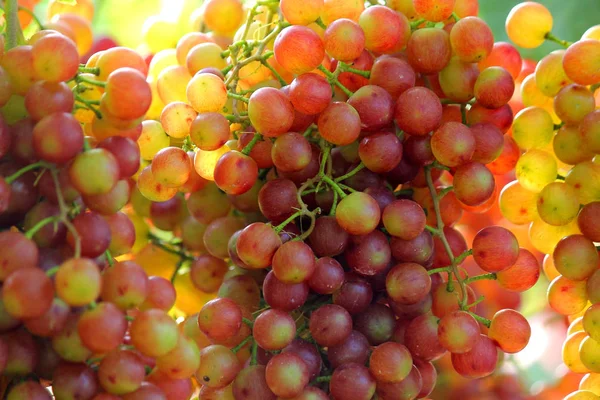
268 206
556 186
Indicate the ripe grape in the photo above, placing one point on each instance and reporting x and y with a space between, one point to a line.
479 362
528 23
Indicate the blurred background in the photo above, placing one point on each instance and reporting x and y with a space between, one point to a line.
538 371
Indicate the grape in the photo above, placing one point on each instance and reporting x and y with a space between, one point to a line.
535 169
590 321
251 383
321 328
235 173
286 374
94 172
544 237
28 390
404 219
301 14
204 55
473 183
355 295
581 62
429 50
310 93
377 323
472 39
352 380
587 221
385 30
270 112
458 331
457 80
126 152
528 23
358 213
298 49
291 152
390 362
374 105
583 178
274 330
533 128
161 294
339 123
172 84
78 281
421 338
308 353
418 111
550 76
510 330
355 349
153 333
344 40
121 372
220 319
71 380
489 143
501 117
557 204
573 103
495 248
435 11
409 388
27 293
127 94
408 283
293 262
522 275
479 362
571 355
393 74
50 323
113 324
54 58
567 297
453 144
368 254
582 395
182 361
569 146
503 55
576 257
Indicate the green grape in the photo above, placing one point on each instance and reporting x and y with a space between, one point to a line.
535 169
517 204
533 127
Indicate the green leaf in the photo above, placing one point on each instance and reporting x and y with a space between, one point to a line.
68 2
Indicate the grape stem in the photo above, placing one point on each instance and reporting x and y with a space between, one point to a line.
479 318
83 79
332 77
439 232
323 378
237 97
109 258
37 227
11 178
439 270
242 344
14 34
52 271
351 173
248 322
415 24
90 105
560 177
33 16
248 148
347 68
64 213
253 353
479 300
129 318
490 276
87 70
550 37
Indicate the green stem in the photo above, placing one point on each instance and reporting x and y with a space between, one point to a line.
129 318
276 74
455 16
248 148
439 270
319 22
549 36
404 192
333 79
441 235
415 24
14 35
479 300
177 268
282 225
11 178
91 81
324 378
253 353
109 258
350 174
347 68
560 177
463 113
479 318
33 16
334 205
64 214
237 97
248 322
334 186
87 70
490 276
242 344
52 271
90 105
36 228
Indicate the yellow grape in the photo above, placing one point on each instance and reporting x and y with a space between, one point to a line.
336 9
160 34
592 33
558 204
301 12
575 326
528 23
157 104
152 189
570 353
544 237
176 119
205 161
550 75
205 55
207 93
141 230
160 61
533 128
152 140
590 382
531 95
172 84
549 268
589 352
535 169
223 16
517 204
405 7
582 395
567 297
585 178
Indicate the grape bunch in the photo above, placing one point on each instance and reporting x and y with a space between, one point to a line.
556 186
269 206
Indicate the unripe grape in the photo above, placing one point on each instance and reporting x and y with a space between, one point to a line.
528 23
207 93
573 103
576 257
535 169
533 128
54 58
171 167
517 204
204 55
582 62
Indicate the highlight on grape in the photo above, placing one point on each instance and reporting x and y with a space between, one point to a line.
309 200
